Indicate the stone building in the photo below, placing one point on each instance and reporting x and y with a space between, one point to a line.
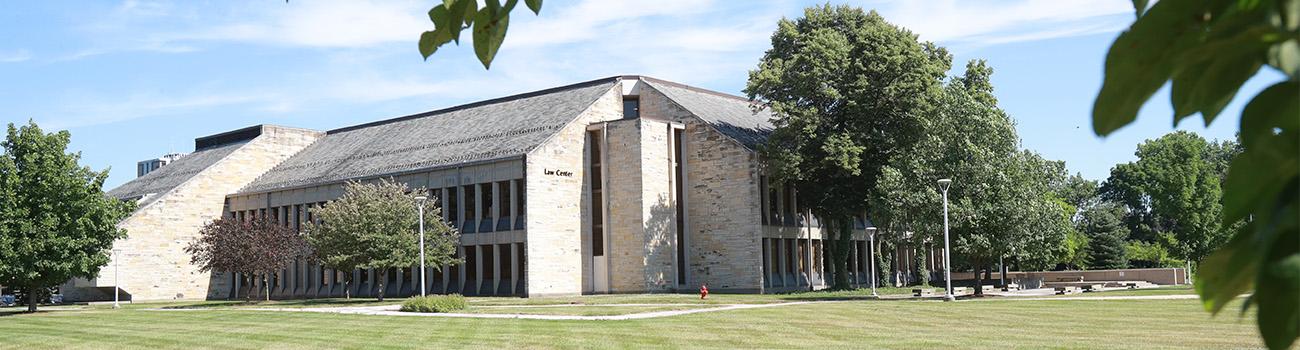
626 184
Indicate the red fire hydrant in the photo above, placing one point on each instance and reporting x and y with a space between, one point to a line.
704 291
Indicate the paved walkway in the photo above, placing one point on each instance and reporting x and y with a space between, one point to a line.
394 310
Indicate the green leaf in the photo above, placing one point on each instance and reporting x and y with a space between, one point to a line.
1279 322
1228 272
459 15
1275 107
1141 60
535 5
1286 57
431 40
489 32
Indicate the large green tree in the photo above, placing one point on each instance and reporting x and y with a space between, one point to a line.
1208 50
848 90
56 223
374 226
1174 188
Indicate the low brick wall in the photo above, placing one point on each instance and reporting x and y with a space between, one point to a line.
1162 276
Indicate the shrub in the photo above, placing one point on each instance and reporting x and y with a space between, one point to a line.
435 303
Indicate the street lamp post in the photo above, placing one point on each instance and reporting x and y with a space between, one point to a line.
947 251
419 203
871 236
115 280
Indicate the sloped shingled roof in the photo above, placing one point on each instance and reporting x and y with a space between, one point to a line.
733 116
493 129
175 173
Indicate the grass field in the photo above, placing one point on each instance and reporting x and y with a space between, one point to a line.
988 323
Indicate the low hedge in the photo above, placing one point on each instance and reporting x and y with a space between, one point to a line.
435 303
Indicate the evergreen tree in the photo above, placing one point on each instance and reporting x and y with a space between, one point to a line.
1106 233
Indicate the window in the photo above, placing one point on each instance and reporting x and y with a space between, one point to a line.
485 215
679 179
631 107
503 215
597 194
453 207
471 212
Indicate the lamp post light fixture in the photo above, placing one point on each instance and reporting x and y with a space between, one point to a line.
115 280
419 203
871 236
947 251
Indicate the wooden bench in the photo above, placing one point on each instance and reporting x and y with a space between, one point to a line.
960 290
922 292
1092 287
1131 285
1010 287
1066 290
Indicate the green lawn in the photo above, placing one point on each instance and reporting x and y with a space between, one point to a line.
990 323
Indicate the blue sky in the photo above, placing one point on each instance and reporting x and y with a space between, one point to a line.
136 79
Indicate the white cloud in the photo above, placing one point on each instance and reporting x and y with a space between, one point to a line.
15 56
991 22
326 24
95 110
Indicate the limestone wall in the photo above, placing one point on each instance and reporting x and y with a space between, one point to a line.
723 232
152 260
642 212
557 213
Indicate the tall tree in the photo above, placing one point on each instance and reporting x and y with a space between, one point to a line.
56 223
1173 188
1208 50
1106 237
374 226
254 249
847 89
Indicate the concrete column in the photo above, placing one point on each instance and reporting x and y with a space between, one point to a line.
514 267
478 269
496 268
460 207
514 213
460 279
853 263
782 265
478 209
494 210
765 201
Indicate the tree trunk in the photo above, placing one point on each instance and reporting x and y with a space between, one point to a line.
248 286
383 277
347 286
33 296
979 280
844 237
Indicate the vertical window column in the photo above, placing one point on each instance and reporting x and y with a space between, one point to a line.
486 207
469 216
504 205
596 174
679 199
521 205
